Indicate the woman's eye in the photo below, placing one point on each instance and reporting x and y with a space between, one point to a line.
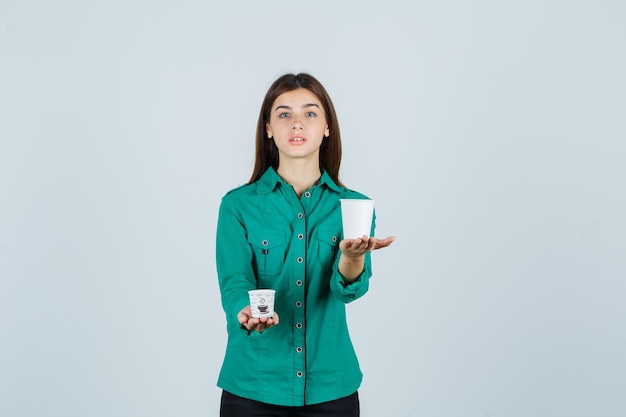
310 114
283 115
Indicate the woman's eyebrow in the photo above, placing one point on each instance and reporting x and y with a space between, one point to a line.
304 106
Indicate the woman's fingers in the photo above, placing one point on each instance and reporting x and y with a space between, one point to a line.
383 243
275 319
244 315
254 323
360 246
268 322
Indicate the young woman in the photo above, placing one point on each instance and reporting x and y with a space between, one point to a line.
282 230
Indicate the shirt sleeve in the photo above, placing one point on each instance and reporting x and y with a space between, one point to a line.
233 260
350 292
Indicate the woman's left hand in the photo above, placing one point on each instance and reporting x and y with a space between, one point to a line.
355 248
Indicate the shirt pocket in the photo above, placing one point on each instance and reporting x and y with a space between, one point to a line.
268 248
328 244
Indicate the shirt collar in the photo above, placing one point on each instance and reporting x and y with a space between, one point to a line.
270 178
268 181
326 179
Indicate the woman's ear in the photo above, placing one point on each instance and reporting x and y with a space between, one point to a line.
327 132
268 130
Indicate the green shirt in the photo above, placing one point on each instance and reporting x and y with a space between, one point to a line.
267 237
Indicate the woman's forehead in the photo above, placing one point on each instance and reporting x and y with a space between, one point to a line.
297 98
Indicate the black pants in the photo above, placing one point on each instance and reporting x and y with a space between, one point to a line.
234 406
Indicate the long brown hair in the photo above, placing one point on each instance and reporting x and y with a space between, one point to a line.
266 151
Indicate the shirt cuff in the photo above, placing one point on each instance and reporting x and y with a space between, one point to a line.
352 291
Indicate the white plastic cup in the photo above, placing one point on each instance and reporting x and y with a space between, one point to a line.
262 302
356 217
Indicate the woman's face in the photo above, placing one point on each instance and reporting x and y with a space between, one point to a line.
297 125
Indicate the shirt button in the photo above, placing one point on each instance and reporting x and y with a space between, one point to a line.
299 374
307 194
299 349
300 215
334 238
265 243
300 259
298 325
299 283
300 236
298 303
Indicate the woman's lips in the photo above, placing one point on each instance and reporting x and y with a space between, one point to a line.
297 140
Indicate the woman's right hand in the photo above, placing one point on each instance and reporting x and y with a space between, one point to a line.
255 323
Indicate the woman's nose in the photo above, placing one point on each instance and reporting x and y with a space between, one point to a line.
297 124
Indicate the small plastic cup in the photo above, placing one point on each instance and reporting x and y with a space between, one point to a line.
262 302
356 217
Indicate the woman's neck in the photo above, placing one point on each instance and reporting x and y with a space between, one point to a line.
300 176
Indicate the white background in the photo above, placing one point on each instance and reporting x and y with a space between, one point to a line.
491 134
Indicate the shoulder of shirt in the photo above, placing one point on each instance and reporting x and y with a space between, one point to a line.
349 193
242 189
